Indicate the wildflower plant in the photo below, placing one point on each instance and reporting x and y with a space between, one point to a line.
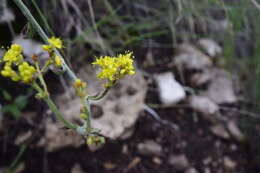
14 66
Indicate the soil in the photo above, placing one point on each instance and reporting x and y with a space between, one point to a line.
194 140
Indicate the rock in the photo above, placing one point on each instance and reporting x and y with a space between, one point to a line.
207 161
77 169
229 163
210 47
115 114
21 138
235 131
220 131
201 78
6 14
133 163
149 147
180 162
190 58
219 26
207 170
220 89
191 170
109 165
157 160
55 137
203 105
170 91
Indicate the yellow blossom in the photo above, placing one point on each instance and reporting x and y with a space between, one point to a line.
26 72
57 61
14 54
114 68
9 72
53 43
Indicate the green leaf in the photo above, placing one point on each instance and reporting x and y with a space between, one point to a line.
7 96
21 102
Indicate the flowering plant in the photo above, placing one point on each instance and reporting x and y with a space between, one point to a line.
15 67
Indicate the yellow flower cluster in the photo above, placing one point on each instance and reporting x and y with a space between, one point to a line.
53 43
26 72
14 58
114 68
14 54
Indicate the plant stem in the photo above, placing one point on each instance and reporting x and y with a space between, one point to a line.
42 34
58 114
53 107
100 96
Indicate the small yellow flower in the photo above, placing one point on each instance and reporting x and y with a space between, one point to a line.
57 61
9 72
14 54
79 84
114 68
53 43
26 72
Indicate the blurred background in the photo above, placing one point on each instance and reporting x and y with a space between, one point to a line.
192 107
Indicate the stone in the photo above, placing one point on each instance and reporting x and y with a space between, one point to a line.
210 47
180 162
190 58
7 15
203 104
229 163
22 138
115 115
199 79
170 90
77 169
220 131
191 170
235 131
221 89
207 170
149 147
207 161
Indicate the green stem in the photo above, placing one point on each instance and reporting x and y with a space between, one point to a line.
17 158
42 34
53 107
41 78
99 96
58 114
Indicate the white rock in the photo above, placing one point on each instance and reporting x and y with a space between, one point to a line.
191 170
203 105
235 131
170 91
149 148
180 162
201 78
188 57
210 47
220 89
7 16
219 130
77 169
23 137
229 163
207 170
